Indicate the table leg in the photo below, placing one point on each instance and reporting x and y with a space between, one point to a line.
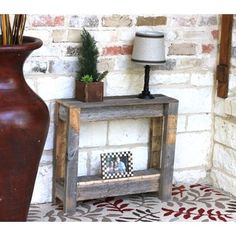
168 151
71 168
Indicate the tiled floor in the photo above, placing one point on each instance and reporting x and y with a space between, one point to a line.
190 203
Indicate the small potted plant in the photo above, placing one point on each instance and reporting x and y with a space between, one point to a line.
89 85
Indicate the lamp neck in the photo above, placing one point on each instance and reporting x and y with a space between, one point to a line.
146 79
146 93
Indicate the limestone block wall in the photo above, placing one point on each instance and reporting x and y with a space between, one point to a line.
224 151
188 75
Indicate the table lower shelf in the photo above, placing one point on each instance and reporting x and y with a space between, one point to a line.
93 187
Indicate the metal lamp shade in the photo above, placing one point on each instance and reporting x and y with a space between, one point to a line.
149 48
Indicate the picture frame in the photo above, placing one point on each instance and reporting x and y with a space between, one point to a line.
116 165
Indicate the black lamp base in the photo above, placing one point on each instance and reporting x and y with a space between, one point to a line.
144 95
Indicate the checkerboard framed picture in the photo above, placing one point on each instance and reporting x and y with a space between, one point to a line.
116 165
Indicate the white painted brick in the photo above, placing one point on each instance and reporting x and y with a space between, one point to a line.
43 185
173 78
193 35
219 106
128 131
207 63
83 21
233 64
230 106
199 122
90 160
65 66
224 159
202 79
123 63
224 181
105 64
46 157
184 64
50 50
192 149
51 109
171 35
105 37
43 34
123 84
50 138
234 36
74 35
94 161
54 88
83 164
31 83
225 132
181 123
232 81
126 35
189 176
140 157
190 100
59 35
35 65
93 134
233 106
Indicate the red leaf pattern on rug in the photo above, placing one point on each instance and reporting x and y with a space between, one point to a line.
190 213
178 190
107 202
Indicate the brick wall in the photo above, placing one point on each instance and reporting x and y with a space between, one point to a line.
224 151
191 51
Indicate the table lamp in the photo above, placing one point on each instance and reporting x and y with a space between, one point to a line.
149 49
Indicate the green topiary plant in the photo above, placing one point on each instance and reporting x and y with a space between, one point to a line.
88 58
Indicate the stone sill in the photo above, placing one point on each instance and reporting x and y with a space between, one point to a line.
230 106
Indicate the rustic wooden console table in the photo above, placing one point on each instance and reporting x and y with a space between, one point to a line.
69 188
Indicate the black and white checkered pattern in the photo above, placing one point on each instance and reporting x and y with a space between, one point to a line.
114 155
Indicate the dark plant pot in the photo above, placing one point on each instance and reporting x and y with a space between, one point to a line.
89 92
24 121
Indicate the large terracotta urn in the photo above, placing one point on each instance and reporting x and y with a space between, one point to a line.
24 121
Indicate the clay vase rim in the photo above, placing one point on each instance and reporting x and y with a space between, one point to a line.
29 44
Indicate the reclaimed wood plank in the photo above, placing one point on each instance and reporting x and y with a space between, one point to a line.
59 152
54 161
59 190
117 101
60 146
168 151
155 142
62 112
72 161
121 112
93 187
222 72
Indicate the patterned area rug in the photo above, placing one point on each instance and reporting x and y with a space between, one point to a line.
189 203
